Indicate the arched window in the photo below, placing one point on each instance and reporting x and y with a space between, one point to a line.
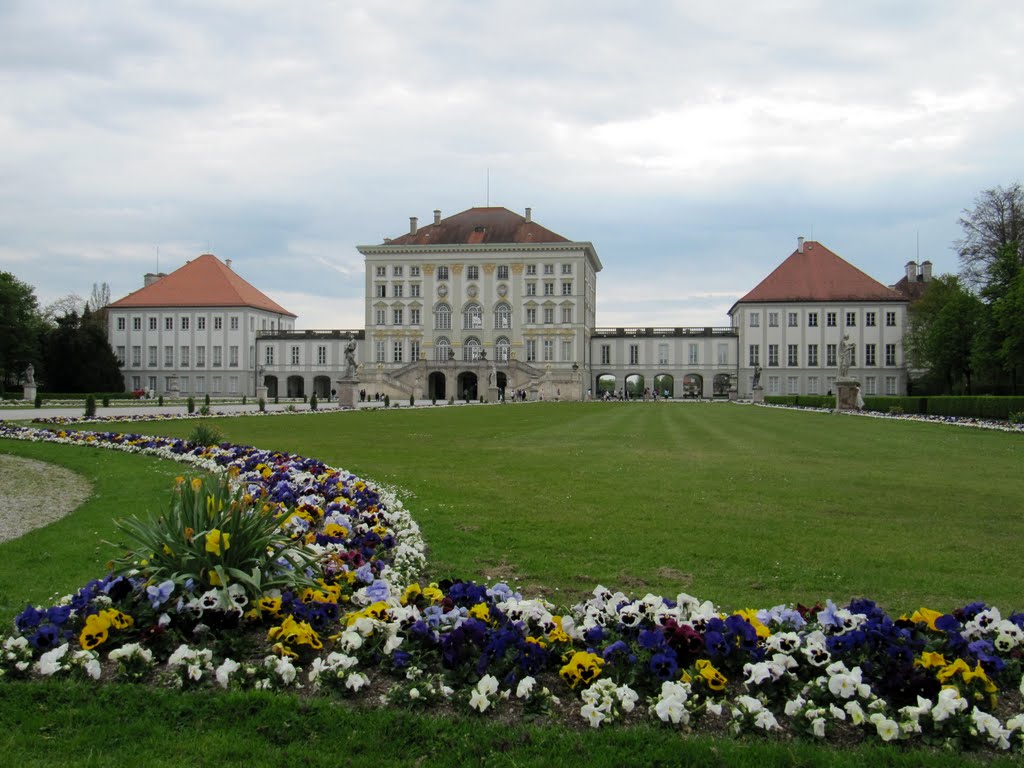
471 349
442 317
442 349
502 349
503 316
472 317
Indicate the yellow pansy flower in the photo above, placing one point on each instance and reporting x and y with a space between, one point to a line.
217 543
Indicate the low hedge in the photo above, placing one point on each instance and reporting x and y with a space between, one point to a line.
972 407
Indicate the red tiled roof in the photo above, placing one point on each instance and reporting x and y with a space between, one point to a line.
480 225
817 274
203 282
912 291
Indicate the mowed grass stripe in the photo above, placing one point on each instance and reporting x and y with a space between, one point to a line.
740 505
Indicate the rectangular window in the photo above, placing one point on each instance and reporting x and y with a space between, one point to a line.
200 323
442 273
200 357
136 323
414 271
549 269
549 289
503 271
549 315
662 354
232 385
381 317
397 271
549 350
531 315
812 319
567 269
321 355
168 357
773 385
531 289
217 357
397 291
184 357
812 385
120 355
692 353
606 354
121 324
723 354
200 384
754 354
890 385
773 355
168 323
184 384
397 317
870 386
773 319
853 355
890 319
531 269
851 319
890 354
567 289
812 354
295 355
473 273
218 323
233 356
792 319
755 319
869 319
184 323
566 351
268 355
414 316
792 386
869 354
216 385
830 355
152 357
566 315
378 350
792 354
381 271
634 354
234 324
830 319
414 290
531 350
414 350
382 290
152 323
396 351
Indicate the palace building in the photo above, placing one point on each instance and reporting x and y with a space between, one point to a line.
487 302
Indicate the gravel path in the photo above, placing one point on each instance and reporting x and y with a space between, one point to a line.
34 493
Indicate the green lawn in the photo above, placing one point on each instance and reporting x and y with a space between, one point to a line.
741 505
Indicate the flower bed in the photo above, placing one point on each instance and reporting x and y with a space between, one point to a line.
365 626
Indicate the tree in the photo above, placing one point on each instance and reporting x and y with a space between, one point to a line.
20 327
72 304
78 357
994 224
943 327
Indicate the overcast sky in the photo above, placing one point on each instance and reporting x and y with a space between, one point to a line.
691 142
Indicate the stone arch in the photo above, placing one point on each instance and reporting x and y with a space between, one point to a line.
296 386
436 386
664 385
634 385
693 385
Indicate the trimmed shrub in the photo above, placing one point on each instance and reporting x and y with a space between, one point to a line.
190 404
39 400
160 400
412 400
312 402
206 400
106 401
387 401
263 405
90 406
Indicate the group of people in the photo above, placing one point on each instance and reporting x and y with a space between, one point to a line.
620 394
364 397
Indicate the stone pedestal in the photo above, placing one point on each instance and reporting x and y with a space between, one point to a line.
733 394
30 393
848 395
757 394
348 392
492 394
261 394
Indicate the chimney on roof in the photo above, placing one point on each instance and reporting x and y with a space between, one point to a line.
151 277
529 214
412 225
911 267
926 271
799 245
227 263
437 215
